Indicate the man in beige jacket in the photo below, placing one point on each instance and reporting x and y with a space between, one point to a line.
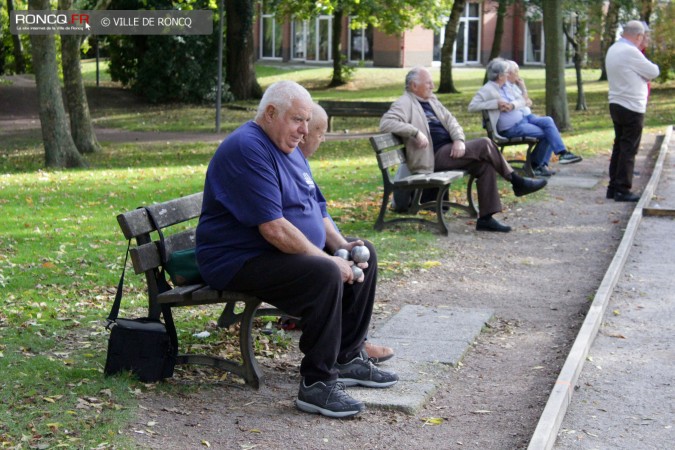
435 142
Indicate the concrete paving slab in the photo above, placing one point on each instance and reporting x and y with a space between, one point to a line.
563 180
425 341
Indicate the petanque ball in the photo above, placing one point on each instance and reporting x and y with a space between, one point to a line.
360 254
342 253
357 271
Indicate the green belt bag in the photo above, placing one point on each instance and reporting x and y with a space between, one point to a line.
181 265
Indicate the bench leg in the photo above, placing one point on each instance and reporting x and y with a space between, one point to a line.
252 372
379 223
527 167
442 224
472 195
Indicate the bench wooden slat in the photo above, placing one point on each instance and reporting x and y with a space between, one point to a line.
353 109
146 256
179 294
135 223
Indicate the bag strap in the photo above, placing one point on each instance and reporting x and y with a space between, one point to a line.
162 245
162 285
118 295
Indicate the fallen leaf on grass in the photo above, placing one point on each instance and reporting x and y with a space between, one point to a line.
481 411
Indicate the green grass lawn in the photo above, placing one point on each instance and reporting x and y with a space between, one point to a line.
61 249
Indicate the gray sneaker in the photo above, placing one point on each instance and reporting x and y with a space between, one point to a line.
568 157
362 372
329 399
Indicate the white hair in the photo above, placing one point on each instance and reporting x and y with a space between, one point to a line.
281 95
633 28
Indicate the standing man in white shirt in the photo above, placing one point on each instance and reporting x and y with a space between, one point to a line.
628 73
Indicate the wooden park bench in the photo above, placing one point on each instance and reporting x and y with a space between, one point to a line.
525 165
146 259
390 152
353 109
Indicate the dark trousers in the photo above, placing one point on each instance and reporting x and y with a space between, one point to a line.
627 135
334 315
483 160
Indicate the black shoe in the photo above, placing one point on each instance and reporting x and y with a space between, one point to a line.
329 399
362 372
524 186
610 193
491 224
626 197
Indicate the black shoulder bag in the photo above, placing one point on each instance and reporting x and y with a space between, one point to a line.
146 347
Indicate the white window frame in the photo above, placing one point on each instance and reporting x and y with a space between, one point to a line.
316 23
264 18
526 47
569 56
349 45
465 19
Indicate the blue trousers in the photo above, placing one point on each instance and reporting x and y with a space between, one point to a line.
542 128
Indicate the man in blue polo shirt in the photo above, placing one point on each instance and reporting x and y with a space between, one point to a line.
264 230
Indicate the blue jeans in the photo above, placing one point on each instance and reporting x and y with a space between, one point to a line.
542 128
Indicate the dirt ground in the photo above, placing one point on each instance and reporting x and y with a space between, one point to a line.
539 281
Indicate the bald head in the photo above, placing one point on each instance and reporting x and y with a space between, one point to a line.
316 131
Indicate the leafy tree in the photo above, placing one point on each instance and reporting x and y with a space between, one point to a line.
390 16
165 68
446 84
240 50
496 48
662 39
608 34
556 95
576 40
60 150
81 127
17 48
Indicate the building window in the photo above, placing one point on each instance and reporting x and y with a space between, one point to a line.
534 42
312 39
361 44
270 37
467 43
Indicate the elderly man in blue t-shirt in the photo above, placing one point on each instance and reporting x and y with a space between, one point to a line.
264 230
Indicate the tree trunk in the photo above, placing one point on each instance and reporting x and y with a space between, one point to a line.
499 32
556 94
60 150
578 58
608 34
19 60
81 128
646 10
336 48
240 50
446 85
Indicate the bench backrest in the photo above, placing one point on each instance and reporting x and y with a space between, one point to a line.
348 108
390 152
487 125
137 225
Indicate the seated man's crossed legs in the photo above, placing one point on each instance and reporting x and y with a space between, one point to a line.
483 160
334 318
